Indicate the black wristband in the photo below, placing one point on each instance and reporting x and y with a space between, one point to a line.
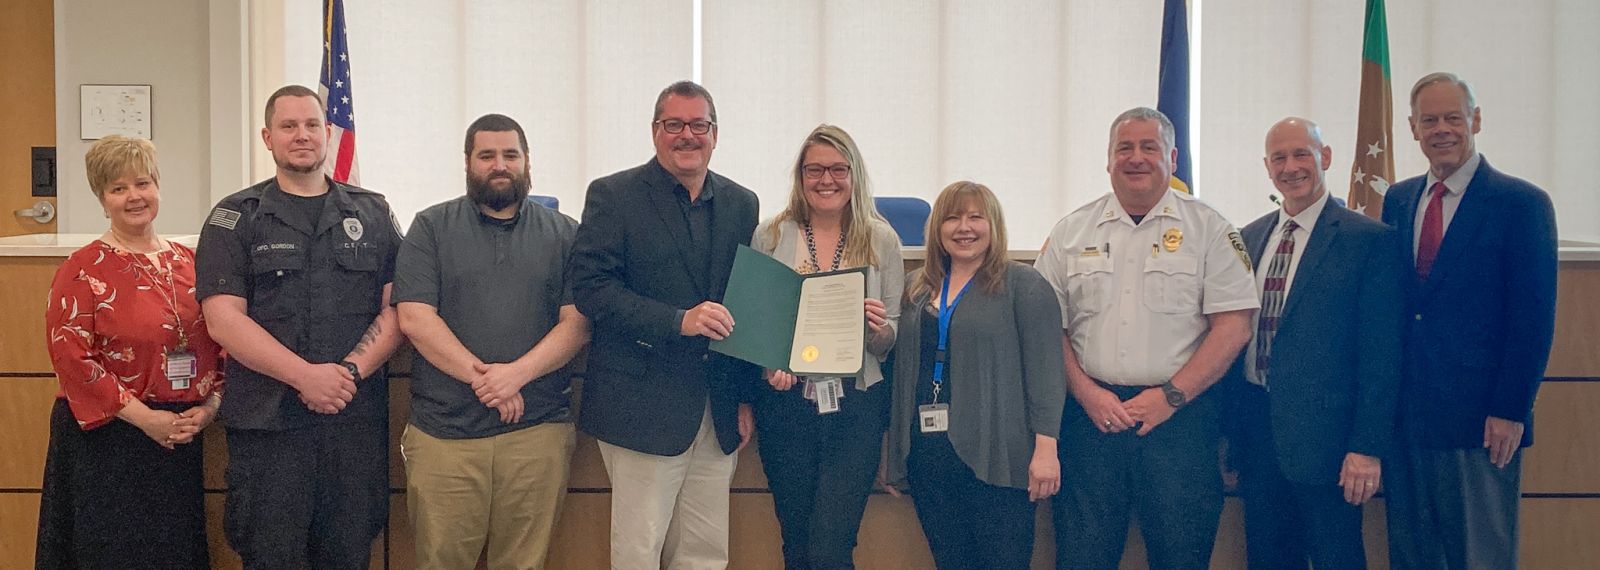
355 371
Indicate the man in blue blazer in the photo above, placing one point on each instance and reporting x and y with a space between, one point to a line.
649 268
1479 249
1313 395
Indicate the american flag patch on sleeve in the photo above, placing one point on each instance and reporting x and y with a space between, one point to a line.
224 218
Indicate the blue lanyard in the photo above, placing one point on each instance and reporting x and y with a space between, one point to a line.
945 312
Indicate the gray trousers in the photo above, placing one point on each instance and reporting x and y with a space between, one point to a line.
1451 509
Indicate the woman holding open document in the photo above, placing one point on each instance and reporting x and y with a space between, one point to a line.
978 388
821 436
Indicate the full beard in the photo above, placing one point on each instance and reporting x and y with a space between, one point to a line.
483 192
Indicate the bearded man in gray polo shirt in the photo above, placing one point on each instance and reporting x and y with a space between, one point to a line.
480 293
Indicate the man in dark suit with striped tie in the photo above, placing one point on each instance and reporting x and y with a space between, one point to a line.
1480 273
1313 395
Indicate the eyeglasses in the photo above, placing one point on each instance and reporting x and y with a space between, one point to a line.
815 171
674 126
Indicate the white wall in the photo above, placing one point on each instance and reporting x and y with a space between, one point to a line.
1014 93
191 55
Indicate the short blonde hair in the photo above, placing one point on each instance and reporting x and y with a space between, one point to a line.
117 155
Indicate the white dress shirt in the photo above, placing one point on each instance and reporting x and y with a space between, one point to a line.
1456 185
1307 220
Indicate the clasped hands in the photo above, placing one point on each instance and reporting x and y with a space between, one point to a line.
1147 410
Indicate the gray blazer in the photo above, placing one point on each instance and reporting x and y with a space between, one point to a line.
886 282
1007 379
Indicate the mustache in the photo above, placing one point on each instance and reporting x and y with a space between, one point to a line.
481 191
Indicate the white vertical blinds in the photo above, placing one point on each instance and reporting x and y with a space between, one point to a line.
1017 94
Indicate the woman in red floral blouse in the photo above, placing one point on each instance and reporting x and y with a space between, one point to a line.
140 379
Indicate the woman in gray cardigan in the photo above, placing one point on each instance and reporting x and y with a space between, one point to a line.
979 386
820 460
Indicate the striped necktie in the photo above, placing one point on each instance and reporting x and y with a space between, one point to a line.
1272 297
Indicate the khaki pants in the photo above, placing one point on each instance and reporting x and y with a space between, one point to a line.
462 492
670 511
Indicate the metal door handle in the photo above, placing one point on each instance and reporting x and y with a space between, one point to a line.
42 212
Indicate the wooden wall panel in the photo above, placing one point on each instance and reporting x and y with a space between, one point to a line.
19 529
583 535
890 537
399 414
222 557
1559 533
588 471
753 539
24 430
27 286
1565 457
1576 352
402 555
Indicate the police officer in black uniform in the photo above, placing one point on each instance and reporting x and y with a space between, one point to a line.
293 275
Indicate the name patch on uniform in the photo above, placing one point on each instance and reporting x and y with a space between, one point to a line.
224 218
1238 248
352 228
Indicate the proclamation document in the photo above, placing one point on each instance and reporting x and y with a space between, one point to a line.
829 332
803 324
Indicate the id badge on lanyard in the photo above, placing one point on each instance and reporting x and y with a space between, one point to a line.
181 368
826 393
935 417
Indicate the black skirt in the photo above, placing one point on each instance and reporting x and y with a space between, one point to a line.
113 498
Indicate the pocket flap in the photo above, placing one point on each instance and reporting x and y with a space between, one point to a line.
1084 265
1172 264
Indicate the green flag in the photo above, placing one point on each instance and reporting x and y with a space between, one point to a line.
1373 170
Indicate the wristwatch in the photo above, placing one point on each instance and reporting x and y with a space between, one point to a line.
355 371
1175 397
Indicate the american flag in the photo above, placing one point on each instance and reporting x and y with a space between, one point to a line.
335 91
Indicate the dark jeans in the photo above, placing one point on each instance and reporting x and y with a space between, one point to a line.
113 498
820 469
1288 523
969 523
312 497
1169 478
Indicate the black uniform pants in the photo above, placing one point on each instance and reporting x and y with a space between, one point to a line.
969 523
1168 478
820 469
312 497
113 498
1288 523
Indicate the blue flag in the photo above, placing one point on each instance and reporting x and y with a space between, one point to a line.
1173 100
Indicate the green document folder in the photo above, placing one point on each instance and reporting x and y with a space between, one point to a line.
765 298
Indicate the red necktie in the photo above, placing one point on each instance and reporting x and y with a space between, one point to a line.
1432 231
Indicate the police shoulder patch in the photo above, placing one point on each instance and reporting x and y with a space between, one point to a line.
224 218
1238 247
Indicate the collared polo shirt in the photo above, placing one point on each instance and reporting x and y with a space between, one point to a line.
499 286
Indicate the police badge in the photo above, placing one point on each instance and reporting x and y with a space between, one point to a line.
352 228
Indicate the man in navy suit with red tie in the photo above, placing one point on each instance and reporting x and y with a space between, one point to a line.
1480 314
